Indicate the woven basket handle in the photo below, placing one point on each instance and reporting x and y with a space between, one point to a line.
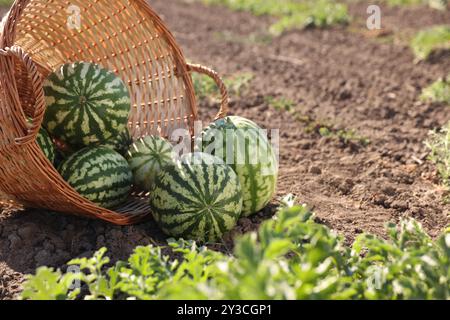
224 106
37 84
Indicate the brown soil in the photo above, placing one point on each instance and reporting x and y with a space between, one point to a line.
344 77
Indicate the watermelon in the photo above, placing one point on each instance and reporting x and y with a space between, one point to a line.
120 143
147 157
242 144
197 198
99 174
46 144
86 105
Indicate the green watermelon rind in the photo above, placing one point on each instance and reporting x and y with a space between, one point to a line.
46 144
147 157
120 143
86 104
197 201
259 178
100 175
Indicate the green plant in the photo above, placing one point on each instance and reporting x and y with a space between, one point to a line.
408 266
405 2
344 135
239 82
428 41
281 103
439 91
436 4
5 3
290 257
262 38
319 14
439 145
292 14
236 84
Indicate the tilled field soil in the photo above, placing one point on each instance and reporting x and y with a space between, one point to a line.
347 78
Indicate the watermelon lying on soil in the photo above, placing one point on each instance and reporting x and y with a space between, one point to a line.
147 157
86 105
46 144
99 174
198 198
243 145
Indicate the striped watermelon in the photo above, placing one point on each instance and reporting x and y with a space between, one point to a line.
99 174
46 144
86 105
120 143
198 198
147 157
242 144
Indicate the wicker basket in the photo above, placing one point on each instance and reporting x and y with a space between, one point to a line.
125 36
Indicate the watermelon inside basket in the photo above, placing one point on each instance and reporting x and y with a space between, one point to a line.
124 36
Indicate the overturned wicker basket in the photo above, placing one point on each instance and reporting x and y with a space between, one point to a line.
125 36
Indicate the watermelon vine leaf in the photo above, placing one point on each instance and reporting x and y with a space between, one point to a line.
289 257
